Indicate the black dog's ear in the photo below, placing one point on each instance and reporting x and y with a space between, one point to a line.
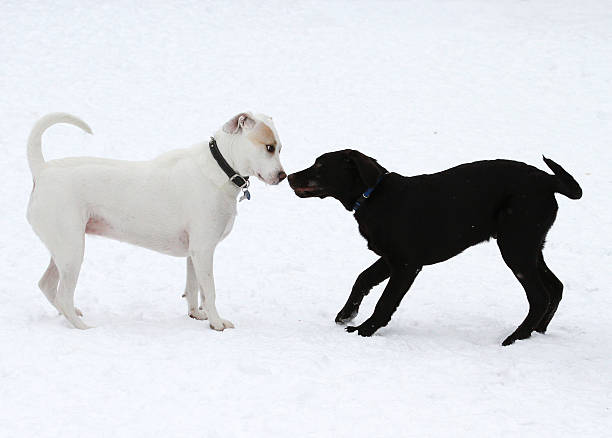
369 170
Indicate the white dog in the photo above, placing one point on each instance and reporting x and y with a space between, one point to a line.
182 203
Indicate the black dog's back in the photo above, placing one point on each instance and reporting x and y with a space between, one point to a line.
446 212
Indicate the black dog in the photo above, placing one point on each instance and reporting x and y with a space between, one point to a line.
422 220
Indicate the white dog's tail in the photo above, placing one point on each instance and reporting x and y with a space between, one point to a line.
35 156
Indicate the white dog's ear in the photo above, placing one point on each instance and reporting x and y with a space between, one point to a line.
239 122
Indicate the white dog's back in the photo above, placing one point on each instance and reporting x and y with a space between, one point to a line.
144 203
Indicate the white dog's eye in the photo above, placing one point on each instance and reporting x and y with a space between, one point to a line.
270 148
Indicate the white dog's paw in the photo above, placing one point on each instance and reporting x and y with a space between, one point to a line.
76 310
227 324
198 314
221 325
81 325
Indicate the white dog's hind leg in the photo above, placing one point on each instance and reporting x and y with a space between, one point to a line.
48 282
67 247
64 299
203 264
48 285
191 293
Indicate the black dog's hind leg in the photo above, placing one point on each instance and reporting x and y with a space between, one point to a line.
401 279
538 304
555 292
369 278
523 225
523 263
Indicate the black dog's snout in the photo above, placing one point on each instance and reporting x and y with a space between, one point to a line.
291 179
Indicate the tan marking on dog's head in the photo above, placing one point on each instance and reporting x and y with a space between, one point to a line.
262 134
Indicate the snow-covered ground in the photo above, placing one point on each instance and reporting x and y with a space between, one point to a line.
421 86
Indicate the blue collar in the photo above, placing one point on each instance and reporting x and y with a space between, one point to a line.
368 192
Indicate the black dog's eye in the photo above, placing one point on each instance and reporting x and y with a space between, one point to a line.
317 165
270 148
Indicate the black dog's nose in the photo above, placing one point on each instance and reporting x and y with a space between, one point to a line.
281 176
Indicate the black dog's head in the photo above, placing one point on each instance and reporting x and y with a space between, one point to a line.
343 175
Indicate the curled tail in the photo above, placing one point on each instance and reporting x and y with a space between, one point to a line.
35 156
563 182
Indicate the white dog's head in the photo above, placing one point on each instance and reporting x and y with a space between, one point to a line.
253 146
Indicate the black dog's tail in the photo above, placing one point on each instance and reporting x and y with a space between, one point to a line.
563 182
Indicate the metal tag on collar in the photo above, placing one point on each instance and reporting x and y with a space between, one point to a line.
245 192
245 195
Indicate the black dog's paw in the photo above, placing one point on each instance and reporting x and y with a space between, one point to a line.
514 337
345 316
365 329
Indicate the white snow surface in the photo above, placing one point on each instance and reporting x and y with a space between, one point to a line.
419 85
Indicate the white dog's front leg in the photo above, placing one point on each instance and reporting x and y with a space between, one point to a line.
203 264
191 293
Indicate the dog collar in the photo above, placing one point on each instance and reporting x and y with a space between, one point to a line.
242 182
365 195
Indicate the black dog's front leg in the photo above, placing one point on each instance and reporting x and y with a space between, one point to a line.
402 278
369 278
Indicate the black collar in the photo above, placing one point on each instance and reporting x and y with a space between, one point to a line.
365 195
239 180
242 182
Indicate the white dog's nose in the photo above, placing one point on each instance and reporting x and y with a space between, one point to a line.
281 175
